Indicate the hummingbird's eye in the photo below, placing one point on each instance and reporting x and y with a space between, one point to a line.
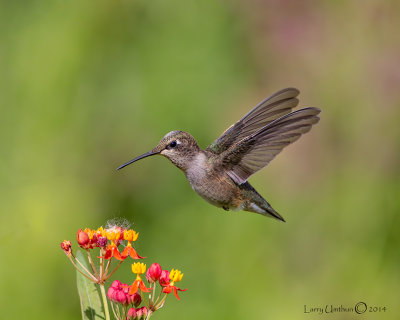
172 144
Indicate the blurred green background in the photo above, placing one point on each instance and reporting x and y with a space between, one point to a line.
87 85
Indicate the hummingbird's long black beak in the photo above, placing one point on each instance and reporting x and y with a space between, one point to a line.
144 155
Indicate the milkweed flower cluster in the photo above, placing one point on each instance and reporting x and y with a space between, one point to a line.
107 240
119 293
125 299
115 243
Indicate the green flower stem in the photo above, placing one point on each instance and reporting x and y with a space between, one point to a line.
106 277
158 298
161 303
107 267
92 264
118 312
145 301
149 315
83 267
113 310
101 263
89 275
105 302
153 298
125 312
118 316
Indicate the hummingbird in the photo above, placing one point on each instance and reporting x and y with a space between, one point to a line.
220 172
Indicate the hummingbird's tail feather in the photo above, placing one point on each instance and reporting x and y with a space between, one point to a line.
263 208
269 211
256 203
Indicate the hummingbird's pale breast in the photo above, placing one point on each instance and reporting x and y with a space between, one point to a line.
213 186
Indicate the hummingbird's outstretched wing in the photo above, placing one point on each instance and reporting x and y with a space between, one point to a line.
270 109
254 152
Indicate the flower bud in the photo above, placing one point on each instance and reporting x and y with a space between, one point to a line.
102 241
131 314
93 241
125 288
111 293
141 313
164 278
120 297
66 246
153 273
135 299
82 238
116 293
116 284
144 312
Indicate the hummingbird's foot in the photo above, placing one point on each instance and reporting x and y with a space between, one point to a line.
225 208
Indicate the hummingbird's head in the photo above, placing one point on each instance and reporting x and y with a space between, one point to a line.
178 146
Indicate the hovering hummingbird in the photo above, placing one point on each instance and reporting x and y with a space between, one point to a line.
219 173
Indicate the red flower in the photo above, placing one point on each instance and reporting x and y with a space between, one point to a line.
168 289
174 276
112 251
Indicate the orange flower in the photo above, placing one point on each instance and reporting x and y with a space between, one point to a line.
112 251
130 251
174 276
130 235
138 268
115 235
168 289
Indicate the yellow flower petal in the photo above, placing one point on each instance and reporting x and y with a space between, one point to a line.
175 275
138 268
130 235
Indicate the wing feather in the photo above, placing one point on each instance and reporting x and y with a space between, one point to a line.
267 111
256 150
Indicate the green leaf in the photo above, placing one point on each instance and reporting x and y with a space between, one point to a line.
89 294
